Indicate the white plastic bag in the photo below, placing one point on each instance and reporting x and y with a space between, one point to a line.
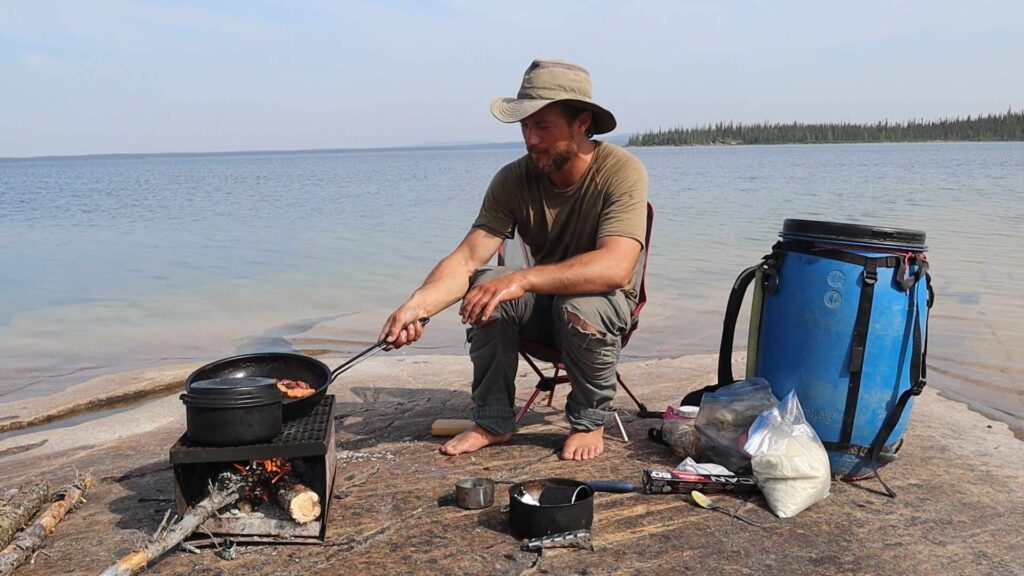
790 463
707 469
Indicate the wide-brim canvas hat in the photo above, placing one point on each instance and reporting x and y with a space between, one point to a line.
549 81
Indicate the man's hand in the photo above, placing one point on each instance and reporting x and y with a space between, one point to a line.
480 302
444 286
402 327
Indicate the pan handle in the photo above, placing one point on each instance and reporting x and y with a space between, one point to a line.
364 355
612 486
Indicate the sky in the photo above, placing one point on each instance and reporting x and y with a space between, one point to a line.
113 76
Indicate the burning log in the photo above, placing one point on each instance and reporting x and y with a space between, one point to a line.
276 476
302 503
228 489
31 539
19 507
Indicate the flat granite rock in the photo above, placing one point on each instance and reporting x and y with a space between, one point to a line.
959 479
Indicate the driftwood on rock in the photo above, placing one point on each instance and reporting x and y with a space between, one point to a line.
26 542
228 488
302 503
19 506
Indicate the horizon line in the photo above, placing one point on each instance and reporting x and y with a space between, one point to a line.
123 155
440 146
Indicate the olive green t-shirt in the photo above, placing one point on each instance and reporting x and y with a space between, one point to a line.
610 199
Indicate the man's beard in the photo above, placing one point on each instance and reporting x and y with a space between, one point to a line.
551 161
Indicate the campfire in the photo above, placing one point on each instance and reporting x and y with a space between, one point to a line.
284 485
219 489
273 478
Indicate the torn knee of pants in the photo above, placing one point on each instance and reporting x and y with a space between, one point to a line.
582 325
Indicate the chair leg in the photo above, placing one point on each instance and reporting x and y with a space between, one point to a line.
622 429
547 384
538 390
526 407
551 394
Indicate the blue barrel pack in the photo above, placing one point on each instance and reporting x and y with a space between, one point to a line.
840 314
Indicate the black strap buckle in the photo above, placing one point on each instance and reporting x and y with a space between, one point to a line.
770 265
870 274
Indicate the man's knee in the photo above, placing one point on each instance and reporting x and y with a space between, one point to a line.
582 330
504 311
577 321
588 317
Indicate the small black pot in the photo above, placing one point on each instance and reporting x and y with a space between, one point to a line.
532 521
232 411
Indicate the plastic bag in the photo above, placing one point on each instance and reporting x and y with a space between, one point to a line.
707 469
789 462
724 418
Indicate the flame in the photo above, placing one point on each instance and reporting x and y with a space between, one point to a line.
278 466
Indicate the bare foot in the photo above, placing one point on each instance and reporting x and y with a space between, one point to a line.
472 440
583 445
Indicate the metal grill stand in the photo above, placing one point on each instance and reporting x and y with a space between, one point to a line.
307 441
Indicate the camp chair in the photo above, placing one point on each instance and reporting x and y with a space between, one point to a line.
531 350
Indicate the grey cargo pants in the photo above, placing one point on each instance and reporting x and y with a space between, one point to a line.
590 355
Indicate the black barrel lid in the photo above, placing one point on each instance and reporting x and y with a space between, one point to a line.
855 233
243 391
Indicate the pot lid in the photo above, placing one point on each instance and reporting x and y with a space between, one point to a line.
243 391
231 386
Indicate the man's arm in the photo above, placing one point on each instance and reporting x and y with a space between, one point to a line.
609 267
444 286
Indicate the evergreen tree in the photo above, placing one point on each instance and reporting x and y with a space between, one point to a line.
990 128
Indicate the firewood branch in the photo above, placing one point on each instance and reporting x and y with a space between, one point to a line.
19 507
228 488
26 542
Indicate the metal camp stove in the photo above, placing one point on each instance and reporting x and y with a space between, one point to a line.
308 442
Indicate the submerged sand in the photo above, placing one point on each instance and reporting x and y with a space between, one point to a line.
960 480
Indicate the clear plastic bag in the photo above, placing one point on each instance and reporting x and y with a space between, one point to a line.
724 418
788 459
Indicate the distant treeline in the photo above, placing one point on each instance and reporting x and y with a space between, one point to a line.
996 127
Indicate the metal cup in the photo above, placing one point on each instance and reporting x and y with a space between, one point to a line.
474 493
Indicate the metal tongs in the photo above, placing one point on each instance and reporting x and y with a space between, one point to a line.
365 354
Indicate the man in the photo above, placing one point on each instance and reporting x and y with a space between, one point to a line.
580 205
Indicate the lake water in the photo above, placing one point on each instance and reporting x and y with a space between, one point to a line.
108 264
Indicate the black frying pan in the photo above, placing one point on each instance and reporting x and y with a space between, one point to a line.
285 365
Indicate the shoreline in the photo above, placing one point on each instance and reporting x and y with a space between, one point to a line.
127 390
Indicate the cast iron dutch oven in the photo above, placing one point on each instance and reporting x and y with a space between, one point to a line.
284 365
232 411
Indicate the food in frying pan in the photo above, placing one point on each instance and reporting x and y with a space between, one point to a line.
294 388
